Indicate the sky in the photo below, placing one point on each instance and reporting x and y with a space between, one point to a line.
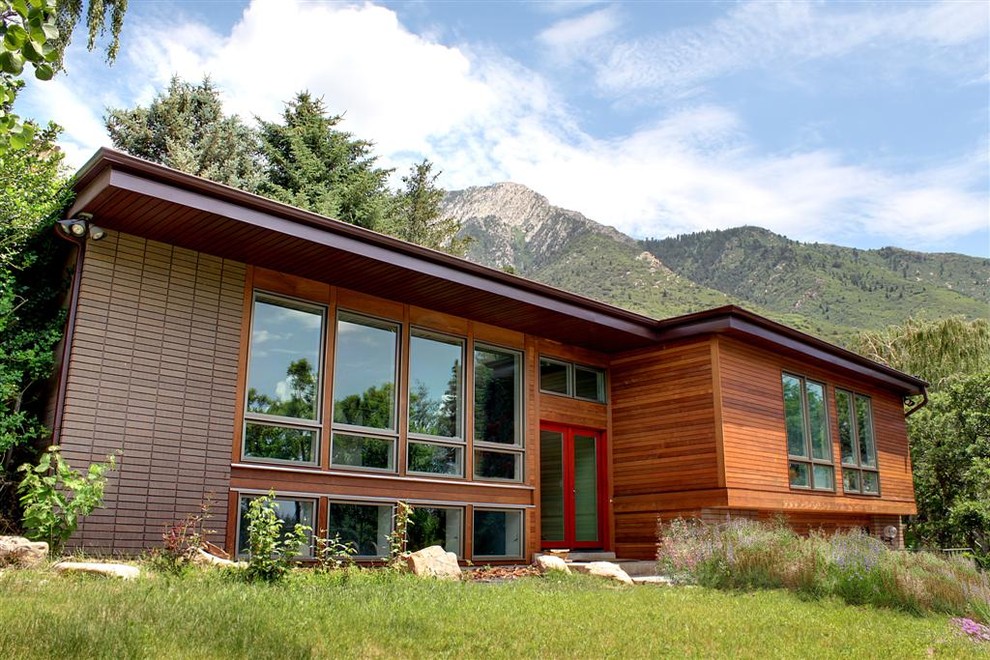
861 124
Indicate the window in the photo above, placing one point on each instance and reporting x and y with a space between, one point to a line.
433 525
364 393
498 427
364 527
282 417
498 533
291 512
808 445
436 404
859 452
573 380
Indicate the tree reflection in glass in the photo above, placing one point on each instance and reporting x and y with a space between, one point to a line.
364 372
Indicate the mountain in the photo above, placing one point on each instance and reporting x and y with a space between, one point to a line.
827 290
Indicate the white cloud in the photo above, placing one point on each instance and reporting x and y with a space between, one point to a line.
571 36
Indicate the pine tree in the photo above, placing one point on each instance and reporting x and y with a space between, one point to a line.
312 164
185 128
416 214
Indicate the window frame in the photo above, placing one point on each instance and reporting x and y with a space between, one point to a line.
448 507
853 420
522 532
358 502
368 320
280 421
518 447
809 459
572 368
314 501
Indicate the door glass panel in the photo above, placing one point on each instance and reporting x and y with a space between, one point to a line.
552 485
585 488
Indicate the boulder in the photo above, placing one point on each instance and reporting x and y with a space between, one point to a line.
202 558
547 563
20 552
123 571
435 562
605 569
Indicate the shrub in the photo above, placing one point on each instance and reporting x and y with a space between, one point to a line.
333 554
851 565
55 497
271 547
180 540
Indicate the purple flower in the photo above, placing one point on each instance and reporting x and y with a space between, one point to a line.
976 631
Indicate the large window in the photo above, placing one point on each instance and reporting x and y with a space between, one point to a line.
363 527
809 448
574 380
498 533
364 393
436 404
282 418
859 452
434 525
498 427
291 512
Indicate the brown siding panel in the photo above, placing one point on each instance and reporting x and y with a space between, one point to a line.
152 374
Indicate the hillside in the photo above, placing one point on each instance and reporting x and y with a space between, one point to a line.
827 290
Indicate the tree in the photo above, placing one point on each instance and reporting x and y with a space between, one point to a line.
185 128
312 164
416 216
38 32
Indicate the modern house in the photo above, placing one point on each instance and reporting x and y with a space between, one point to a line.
229 345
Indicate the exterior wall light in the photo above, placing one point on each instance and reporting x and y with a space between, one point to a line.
81 225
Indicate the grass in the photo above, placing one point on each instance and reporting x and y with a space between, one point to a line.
373 615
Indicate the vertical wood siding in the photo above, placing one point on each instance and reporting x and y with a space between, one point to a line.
152 374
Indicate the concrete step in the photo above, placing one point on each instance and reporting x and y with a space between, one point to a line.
637 567
660 580
590 556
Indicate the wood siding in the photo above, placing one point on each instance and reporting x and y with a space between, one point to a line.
152 374
755 444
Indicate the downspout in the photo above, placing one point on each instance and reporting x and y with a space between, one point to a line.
70 325
918 406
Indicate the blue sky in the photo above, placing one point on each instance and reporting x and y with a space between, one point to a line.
862 124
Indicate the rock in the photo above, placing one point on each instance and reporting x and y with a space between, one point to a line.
123 571
434 561
547 563
20 552
202 558
605 569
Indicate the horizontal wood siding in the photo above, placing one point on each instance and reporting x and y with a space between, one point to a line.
755 444
152 375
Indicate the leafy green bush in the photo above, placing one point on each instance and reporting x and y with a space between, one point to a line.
272 547
54 496
853 566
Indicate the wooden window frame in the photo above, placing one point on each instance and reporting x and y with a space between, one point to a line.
809 459
278 421
572 368
463 523
359 502
314 501
522 533
854 429
518 448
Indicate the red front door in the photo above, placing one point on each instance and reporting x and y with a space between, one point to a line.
572 487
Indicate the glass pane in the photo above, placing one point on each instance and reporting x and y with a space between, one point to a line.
284 368
436 459
871 482
497 465
364 373
843 407
365 527
435 526
824 477
818 421
551 486
589 383
435 400
358 451
555 377
850 481
290 512
585 488
864 427
497 533
280 443
794 416
496 396
799 474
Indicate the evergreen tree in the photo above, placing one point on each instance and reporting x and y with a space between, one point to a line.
185 128
416 215
312 164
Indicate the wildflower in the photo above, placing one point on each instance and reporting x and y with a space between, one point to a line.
976 631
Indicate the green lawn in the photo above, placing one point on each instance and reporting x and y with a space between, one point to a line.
44 615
